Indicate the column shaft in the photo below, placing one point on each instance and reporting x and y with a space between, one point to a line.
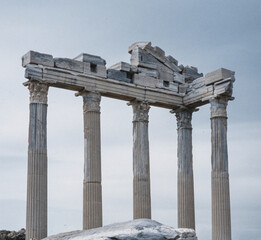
92 190
141 165
221 222
186 211
36 210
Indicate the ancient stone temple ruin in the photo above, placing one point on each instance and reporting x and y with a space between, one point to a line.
151 79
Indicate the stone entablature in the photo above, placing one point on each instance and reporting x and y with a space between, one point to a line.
150 79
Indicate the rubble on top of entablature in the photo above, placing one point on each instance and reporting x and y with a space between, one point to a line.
150 67
92 64
143 54
218 83
190 73
83 64
122 71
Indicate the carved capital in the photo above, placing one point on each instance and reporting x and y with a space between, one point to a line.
91 101
38 92
184 118
140 111
218 107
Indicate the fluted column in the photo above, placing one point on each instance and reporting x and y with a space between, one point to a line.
92 189
186 211
221 223
36 208
141 164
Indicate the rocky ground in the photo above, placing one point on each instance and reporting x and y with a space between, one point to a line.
12 235
139 229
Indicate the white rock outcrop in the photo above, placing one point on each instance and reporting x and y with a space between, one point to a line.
136 229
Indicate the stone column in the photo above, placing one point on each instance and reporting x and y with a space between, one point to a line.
221 223
92 189
186 211
141 164
36 210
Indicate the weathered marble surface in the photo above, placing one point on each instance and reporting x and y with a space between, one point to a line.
153 78
106 87
217 75
141 161
118 75
92 65
68 64
221 219
186 206
85 57
36 208
37 58
92 189
137 229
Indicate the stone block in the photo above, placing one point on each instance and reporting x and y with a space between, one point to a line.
172 66
179 78
119 75
159 51
95 70
121 66
148 72
156 52
37 58
198 83
168 86
68 64
166 76
181 67
34 72
217 75
136 45
172 60
134 69
183 88
145 80
191 74
85 57
163 68
194 68
142 59
165 73
224 88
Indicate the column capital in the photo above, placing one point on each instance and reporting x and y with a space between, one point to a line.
218 107
38 91
184 117
140 110
91 101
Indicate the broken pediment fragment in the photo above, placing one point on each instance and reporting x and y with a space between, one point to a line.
141 45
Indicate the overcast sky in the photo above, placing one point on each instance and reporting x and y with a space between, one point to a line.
202 33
